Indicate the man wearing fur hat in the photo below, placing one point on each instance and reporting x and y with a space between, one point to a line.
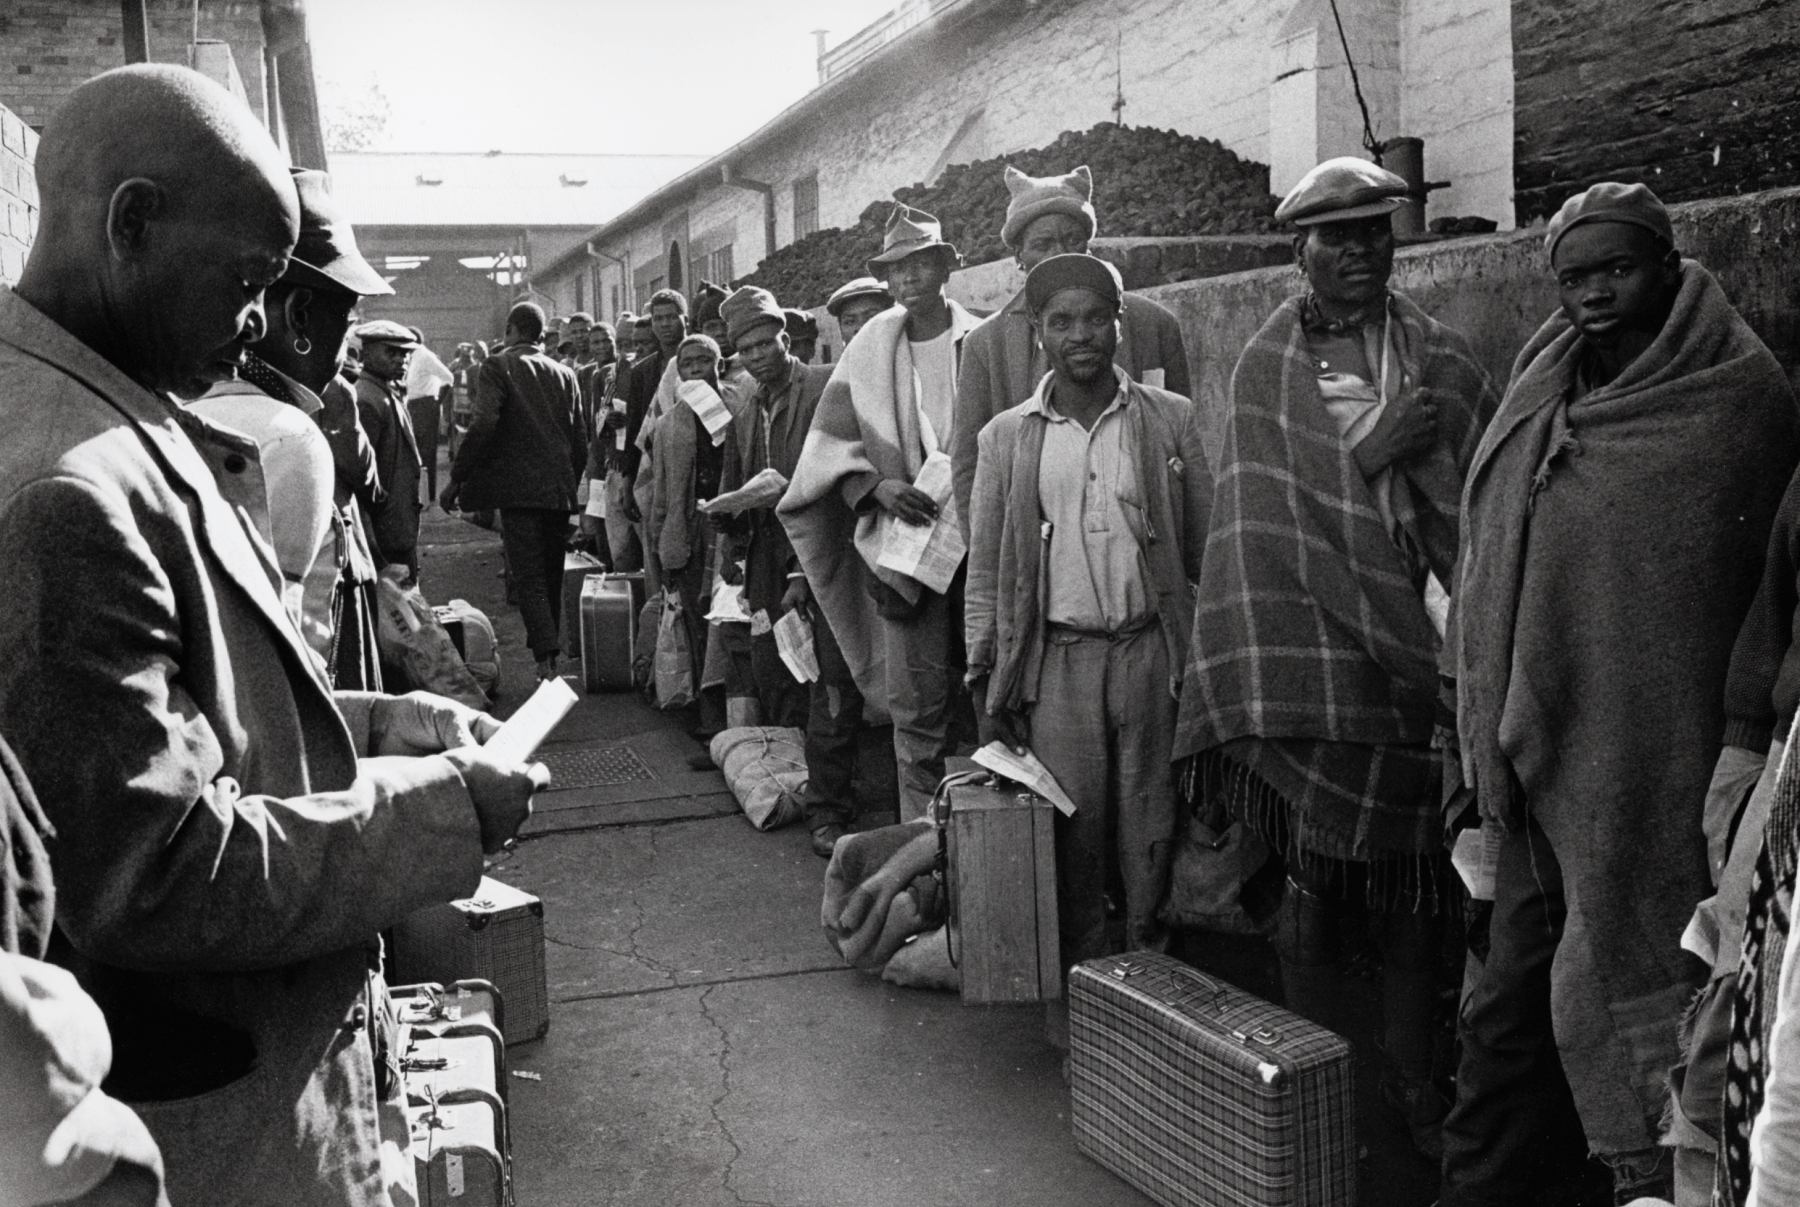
1003 361
887 413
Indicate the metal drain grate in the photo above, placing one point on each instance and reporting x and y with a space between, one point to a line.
594 768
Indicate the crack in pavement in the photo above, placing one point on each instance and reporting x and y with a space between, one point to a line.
737 1150
610 994
643 919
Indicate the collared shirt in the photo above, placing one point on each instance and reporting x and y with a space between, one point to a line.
1088 489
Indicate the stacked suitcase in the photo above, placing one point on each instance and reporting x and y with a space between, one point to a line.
1198 1093
453 1067
496 935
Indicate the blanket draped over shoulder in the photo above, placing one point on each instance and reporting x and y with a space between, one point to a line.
865 430
1612 548
1313 661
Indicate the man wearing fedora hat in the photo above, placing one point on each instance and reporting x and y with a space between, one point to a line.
386 348
1003 360
890 406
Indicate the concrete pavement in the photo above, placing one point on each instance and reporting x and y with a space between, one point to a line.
707 1047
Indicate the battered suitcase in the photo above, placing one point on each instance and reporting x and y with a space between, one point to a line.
498 936
460 1154
577 565
1002 855
1200 1094
608 631
463 1056
431 1006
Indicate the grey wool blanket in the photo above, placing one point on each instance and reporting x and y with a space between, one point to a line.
1612 545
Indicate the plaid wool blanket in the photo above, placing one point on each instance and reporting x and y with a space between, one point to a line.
1310 631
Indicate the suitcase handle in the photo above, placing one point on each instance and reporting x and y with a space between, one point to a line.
1265 1036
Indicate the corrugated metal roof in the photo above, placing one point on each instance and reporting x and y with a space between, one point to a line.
408 188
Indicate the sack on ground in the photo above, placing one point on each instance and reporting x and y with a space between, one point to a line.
765 769
418 649
674 666
481 652
643 665
1207 883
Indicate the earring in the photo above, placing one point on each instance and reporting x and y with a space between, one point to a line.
303 351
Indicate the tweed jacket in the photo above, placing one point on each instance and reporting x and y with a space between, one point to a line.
394 522
1003 610
525 445
763 538
223 859
998 371
673 515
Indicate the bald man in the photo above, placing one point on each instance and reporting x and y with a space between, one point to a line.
226 846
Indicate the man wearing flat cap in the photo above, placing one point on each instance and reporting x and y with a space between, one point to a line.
855 303
1615 520
386 348
1083 670
1002 359
1311 692
890 408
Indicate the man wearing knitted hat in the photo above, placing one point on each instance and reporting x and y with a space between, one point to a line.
885 417
1082 676
1003 361
1591 659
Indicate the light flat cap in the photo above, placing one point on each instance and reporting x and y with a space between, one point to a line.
1339 190
386 331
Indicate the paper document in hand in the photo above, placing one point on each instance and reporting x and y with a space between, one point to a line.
705 402
764 490
526 729
929 553
1475 856
1025 769
794 642
728 604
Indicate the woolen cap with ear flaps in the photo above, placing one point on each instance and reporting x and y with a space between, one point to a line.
1339 190
1609 201
326 254
909 231
748 307
1035 196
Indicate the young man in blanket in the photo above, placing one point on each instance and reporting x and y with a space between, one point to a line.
1096 489
1615 520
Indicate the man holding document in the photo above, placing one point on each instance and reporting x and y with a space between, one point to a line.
870 510
1095 489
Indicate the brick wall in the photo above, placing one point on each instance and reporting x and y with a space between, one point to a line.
48 47
1693 97
18 195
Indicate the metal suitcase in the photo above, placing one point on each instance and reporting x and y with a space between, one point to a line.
463 1056
498 936
431 1006
608 631
1002 856
1200 1094
577 566
460 1154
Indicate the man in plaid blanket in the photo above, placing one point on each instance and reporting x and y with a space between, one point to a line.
1310 696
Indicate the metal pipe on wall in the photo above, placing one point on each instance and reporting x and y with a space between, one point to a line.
137 30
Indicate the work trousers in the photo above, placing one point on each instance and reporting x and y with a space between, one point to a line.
782 699
424 413
1104 726
1514 1123
839 744
533 538
925 664
621 534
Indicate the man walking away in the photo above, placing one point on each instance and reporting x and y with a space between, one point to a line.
1083 670
1615 519
523 455
428 385
386 347
1002 362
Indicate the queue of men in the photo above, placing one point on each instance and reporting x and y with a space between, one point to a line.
1393 605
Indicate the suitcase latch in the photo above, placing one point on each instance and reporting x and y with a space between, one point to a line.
1262 1035
424 1064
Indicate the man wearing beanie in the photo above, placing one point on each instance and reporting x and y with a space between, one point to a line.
889 409
1597 603
1080 671
1002 359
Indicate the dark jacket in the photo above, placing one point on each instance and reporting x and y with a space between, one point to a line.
1762 689
760 537
1000 368
646 375
394 523
524 446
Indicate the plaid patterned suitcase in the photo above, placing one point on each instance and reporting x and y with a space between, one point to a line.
1201 1095
496 935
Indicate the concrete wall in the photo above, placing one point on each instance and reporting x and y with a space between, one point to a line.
1692 97
48 47
18 195
1496 289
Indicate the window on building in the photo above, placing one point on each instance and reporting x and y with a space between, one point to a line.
719 268
806 205
657 283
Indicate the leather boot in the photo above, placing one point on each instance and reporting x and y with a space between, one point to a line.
1306 941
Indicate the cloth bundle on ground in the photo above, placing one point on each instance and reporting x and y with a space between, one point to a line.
765 768
480 649
1591 658
416 650
1313 665
866 430
879 892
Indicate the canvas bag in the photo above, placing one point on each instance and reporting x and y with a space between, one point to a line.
481 652
418 648
674 666
1206 884
765 768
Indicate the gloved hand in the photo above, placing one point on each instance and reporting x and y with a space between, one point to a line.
425 723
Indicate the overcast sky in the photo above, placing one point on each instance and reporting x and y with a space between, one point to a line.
681 76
